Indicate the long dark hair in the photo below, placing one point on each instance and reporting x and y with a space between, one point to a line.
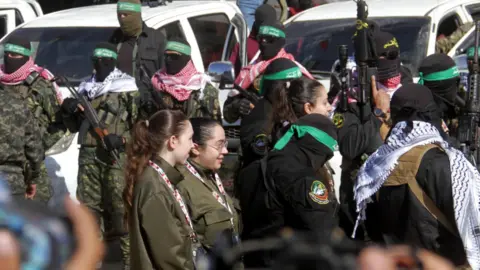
288 103
148 138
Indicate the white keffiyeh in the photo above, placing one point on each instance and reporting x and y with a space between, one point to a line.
465 180
116 82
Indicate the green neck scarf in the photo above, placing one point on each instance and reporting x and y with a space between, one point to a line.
287 74
321 136
439 76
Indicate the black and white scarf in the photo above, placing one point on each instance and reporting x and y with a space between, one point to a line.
465 180
116 82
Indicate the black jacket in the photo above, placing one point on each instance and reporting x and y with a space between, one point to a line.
151 45
401 218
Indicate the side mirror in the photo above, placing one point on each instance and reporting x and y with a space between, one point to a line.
217 69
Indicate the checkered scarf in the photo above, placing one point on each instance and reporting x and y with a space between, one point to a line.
465 180
180 85
22 73
249 73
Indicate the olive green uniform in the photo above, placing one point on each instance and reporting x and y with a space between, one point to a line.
41 99
100 180
159 234
209 217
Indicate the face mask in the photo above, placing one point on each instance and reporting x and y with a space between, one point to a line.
14 64
269 48
388 68
131 25
174 63
103 68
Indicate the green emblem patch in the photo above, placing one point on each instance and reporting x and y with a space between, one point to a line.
318 193
338 120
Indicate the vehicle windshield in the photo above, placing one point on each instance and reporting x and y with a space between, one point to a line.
315 43
64 51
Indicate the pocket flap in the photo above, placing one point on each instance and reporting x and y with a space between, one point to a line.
217 216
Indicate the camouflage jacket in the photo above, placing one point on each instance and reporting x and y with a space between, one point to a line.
21 141
208 106
444 45
42 101
118 111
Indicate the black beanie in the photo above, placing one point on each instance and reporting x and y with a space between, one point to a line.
265 13
385 43
442 89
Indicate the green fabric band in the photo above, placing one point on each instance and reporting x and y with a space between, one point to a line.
291 73
17 49
439 76
123 6
301 131
101 53
271 31
178 47
471 52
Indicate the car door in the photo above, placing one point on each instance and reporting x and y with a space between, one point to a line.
7 21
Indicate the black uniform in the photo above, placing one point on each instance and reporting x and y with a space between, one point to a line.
293 194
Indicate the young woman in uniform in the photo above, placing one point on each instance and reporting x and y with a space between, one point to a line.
210 207
161 230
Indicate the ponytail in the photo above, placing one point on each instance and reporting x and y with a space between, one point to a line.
281 110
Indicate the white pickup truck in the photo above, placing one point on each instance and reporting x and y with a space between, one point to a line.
15 12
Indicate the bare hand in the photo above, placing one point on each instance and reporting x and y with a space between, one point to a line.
31 191
9 251
381 98
90 248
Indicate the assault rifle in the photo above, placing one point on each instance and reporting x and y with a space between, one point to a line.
345 76
470 116
89 112
365 57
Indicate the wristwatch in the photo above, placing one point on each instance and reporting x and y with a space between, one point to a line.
379 113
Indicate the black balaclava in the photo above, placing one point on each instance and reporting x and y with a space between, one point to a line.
281 69
104 60
439 73
271 38
387 46
264 13
415 102
19 46
313 136
132 24
174 63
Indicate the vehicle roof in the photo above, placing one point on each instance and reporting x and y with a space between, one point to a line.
376 8
106 15
10 3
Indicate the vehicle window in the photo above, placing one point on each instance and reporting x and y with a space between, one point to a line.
18 17
64 50
474 11
171 30
3 25
448 25
231 43
211 33
315 43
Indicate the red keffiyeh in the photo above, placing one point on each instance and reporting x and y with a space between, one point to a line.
249 73
180 85
392 82
22 73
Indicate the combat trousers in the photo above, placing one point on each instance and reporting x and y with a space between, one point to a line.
100 188
44 186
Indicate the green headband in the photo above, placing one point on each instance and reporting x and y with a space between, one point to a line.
440 75
101 52
301 131
178 47
123 6
271 31
291 73
17 49
471 52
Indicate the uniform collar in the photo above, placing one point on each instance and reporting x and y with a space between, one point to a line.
172 173
205 173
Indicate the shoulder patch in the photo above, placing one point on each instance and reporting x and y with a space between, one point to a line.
318 193
338 120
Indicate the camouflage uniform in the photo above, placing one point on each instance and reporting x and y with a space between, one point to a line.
100 182
445 44
21 143
42 101
208 106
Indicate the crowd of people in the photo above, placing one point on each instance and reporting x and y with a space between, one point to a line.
150 175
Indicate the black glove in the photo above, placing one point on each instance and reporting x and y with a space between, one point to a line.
244 107
70 105
114 142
